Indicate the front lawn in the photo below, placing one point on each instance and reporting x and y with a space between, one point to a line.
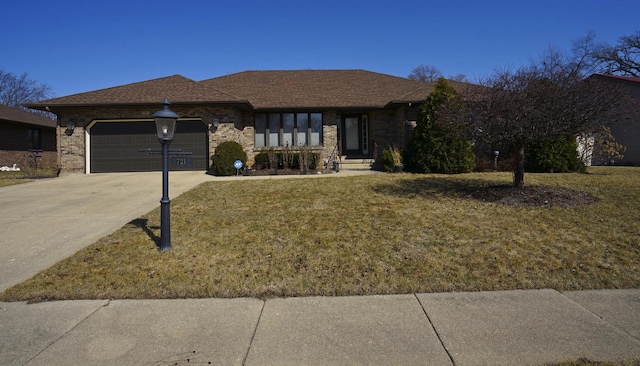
379 234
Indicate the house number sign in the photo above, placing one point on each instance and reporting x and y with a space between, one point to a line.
182 161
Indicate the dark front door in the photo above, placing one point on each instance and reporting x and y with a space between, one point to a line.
351 136
354 132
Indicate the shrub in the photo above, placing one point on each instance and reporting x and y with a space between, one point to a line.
225 155
261 161
391 160
290 158
554 155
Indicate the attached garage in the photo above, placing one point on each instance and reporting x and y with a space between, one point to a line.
115 146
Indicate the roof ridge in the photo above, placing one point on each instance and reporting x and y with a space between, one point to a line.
178 88
289 71
235 97
426 86
113 87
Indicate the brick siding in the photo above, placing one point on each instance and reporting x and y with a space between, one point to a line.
14 146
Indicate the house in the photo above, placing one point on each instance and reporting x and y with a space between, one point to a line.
627 134
27 140
348 113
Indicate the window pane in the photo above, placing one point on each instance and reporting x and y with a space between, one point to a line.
37 144
303 124
274 129
260 129
287 128
316 129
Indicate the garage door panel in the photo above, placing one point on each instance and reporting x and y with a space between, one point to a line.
148 140
115 146
129 153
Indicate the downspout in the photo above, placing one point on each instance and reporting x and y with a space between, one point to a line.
58 147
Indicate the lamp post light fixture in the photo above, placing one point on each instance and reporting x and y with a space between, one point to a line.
495 162
166 128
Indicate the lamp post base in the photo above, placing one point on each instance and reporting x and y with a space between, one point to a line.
165 213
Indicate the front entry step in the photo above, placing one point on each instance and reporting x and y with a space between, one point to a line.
356 164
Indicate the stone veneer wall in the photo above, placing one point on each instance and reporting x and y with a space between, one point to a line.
236 127
330 136
72 150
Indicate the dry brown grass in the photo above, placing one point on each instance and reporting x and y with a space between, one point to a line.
25 176
382 234
587 362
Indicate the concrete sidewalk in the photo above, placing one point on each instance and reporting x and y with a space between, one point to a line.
485 328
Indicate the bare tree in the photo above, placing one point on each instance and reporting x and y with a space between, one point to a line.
622 59
545 99
16 91
459 77
425 73
582 59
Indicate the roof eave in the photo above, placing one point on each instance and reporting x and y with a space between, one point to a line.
23 123
397 102
318 107
49 107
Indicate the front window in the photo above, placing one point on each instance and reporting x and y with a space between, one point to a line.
274 129
288 129
261 130
316 129
303 126
34 139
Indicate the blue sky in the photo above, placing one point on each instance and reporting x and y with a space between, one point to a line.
78 45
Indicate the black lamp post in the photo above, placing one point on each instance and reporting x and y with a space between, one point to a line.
165 127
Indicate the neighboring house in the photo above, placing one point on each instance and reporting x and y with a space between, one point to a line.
27 140
628 135
356 112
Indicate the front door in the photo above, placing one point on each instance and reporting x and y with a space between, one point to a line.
351 135
355 135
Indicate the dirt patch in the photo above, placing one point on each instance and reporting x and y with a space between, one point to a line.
531 196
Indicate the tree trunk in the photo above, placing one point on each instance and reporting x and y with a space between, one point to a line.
518 173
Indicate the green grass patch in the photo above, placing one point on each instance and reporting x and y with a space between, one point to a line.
378 234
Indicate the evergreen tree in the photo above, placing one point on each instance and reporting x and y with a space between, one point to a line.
436 147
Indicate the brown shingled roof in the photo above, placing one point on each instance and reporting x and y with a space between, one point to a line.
263 90
12 114
318 88
177 88
633 79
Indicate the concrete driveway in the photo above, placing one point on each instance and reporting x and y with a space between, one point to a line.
48 220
